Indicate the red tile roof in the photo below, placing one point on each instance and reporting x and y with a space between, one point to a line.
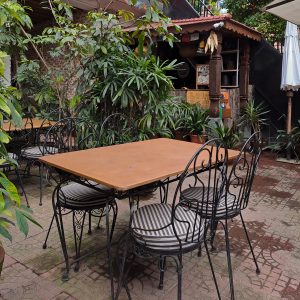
190 25
199 20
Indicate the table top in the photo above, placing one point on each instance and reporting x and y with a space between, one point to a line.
36 123
127 166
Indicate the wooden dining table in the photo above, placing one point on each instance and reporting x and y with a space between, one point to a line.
128 166
27 124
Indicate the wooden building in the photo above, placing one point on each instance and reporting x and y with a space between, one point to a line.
215 80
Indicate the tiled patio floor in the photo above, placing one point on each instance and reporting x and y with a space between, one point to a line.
273 219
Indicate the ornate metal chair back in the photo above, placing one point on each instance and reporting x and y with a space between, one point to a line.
204 178
241 176
70 134
117 128
23 137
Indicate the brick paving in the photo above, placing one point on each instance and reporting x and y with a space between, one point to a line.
273 220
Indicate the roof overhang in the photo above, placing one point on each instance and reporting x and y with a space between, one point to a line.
40 11
207 23
109 5
286 9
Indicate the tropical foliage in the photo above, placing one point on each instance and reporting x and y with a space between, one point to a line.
228 135
105 69
250 13
12 212
254 116
197 120
287 143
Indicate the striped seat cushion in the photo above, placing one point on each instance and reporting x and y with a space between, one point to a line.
36 152
196 193
77 195
151 227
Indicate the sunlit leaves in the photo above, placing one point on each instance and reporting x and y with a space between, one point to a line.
249 13
12 18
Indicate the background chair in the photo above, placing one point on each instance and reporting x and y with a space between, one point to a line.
179 227
12 165
35 148
75 195
81 198
235 196
116 129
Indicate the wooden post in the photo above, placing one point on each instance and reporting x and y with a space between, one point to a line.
244 73
290 95
215 68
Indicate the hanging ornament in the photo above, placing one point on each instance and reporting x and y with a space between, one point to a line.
212 42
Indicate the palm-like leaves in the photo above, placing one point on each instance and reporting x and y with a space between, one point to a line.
254 115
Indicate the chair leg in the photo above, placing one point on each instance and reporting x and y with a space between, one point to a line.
109 255
249 242
229 260
212 270
60 227
78 223
179 274
41 171
90 222
162 266
214 229
121 279
48 232
115 211
21 185
99 221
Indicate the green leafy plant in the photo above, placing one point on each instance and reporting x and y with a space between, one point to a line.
254 116
287 143
249 13
12 212
228 135
197 120
101 73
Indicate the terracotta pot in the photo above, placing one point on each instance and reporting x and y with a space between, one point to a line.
2 255
198 139
179 135
203 138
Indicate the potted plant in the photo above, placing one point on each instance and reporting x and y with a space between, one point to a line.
254 116
228 135
180 115
287 143
196 124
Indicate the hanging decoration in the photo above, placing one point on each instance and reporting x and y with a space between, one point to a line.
211 43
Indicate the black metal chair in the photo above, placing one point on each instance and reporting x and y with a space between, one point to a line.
117 128
34 149
171 230
235 197
75 195
73 134
79 198
12 165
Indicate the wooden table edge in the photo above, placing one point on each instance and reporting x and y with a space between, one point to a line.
117 188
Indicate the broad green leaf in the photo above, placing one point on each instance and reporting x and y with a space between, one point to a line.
4 106
22 222
5 233
11 189
4 137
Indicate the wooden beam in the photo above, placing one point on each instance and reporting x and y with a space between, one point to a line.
244 72
215 68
